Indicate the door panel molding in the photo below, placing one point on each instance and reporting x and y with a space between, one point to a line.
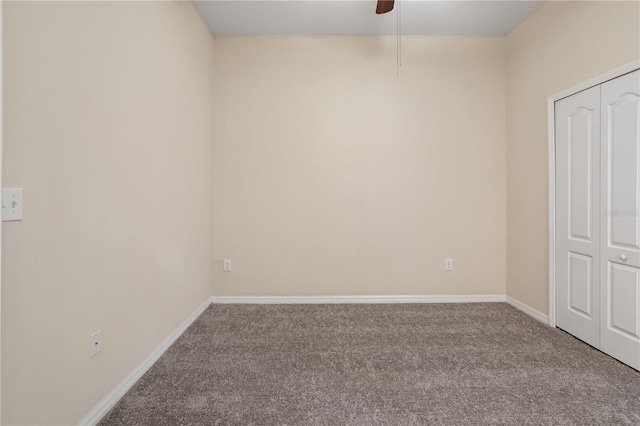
580 284
622 210
579 175
623 286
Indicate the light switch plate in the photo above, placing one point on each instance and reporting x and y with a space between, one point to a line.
11 204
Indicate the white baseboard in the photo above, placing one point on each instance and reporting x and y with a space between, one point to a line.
112 399
528 310
453 298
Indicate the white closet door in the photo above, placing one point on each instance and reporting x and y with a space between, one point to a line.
620 229
577 121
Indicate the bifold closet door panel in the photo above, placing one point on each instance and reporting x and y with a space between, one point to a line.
577 130
620 224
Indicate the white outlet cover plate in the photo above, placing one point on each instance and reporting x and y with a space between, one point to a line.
11 204
96 343
448 264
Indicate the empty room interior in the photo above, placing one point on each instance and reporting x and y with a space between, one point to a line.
320 212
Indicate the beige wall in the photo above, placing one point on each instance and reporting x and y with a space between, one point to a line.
108 129
333 176
560 45
330 174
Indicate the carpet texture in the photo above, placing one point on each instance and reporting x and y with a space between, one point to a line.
436 364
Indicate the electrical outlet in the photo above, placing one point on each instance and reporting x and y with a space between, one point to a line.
448 264
96 343
226 267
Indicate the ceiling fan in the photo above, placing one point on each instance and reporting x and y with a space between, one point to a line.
384 6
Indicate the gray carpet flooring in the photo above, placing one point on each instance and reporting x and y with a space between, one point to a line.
435 364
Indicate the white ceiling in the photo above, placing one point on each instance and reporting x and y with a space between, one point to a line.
420 17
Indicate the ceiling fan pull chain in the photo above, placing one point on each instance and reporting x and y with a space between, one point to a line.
398 40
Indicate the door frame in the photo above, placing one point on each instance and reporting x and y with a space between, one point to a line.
1 158
551 100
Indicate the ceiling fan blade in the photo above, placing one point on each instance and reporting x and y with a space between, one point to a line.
384 6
